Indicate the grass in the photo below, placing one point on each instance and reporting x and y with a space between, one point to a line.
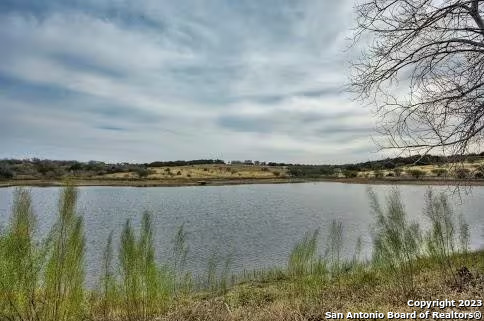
209 171
221 174
45 280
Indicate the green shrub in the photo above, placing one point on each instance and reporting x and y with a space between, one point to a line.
143 172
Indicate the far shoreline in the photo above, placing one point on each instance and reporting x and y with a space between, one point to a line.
242 181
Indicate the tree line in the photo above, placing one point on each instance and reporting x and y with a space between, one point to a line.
44 168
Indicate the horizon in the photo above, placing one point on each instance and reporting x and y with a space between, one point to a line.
180 80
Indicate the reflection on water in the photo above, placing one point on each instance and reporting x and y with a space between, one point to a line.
256 225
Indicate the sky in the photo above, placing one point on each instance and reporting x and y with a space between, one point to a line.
147 80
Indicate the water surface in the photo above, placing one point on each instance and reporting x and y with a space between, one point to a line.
255 225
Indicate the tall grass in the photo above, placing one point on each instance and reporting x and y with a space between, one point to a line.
448 233
217 275
396 241
64 273
183 281
304 258
108 281
334 247
43 281
145 286
20 262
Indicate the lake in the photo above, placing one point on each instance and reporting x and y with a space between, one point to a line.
254 225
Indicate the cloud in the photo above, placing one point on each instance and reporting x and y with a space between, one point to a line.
151 80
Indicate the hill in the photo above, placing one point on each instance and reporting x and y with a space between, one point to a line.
428 167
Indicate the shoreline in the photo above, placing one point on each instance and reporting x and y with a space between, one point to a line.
222 182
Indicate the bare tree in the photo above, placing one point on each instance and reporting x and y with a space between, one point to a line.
423 68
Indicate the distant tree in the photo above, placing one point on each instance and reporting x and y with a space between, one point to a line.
436 50
95 166
350 174
353 167
389 165
416 173
6 171
398 171
76 166
45 166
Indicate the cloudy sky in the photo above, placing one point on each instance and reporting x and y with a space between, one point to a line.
149 80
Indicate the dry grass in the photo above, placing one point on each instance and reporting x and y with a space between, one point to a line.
427 169
215 171
368 291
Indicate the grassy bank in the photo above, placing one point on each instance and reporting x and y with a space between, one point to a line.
44 280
